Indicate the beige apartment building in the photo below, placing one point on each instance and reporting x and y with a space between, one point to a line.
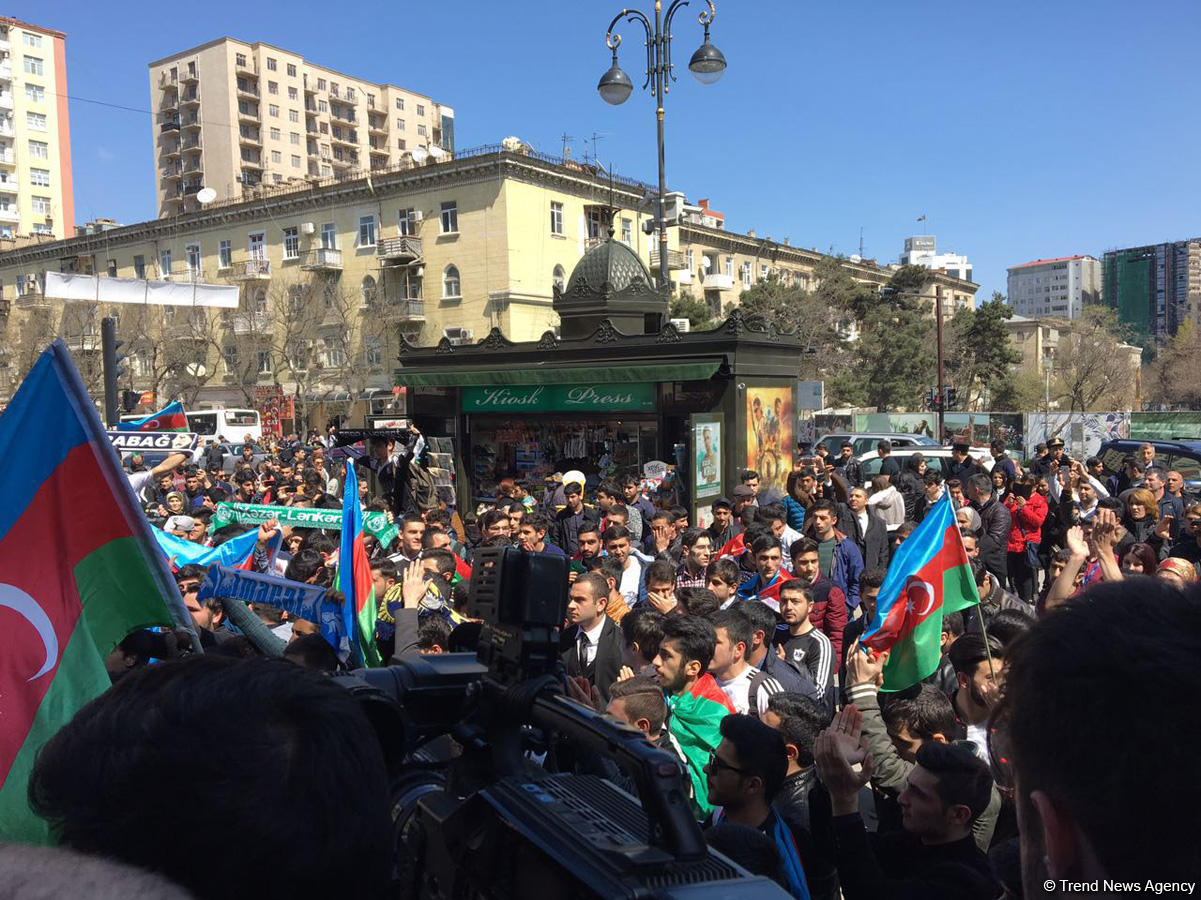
233 116
36 192
331 274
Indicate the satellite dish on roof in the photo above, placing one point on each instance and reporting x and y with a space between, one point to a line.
437 152
420 155
206 195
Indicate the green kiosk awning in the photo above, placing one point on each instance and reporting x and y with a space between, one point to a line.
616 373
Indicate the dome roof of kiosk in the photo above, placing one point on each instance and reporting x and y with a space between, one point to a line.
609 268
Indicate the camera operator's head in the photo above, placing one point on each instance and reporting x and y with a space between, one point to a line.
1084 815
641 633
586 600
274 768
746 769
685 652
639 702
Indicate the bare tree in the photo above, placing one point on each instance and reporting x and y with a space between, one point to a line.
1088 374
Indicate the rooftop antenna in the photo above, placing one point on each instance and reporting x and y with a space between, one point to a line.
567 139
861 242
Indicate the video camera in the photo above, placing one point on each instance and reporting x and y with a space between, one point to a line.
474 817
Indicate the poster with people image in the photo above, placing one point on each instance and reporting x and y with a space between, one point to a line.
707 446
770 437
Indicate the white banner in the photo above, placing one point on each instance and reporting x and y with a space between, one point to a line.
64 286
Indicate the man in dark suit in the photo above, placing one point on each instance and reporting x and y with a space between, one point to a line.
593 643
868 531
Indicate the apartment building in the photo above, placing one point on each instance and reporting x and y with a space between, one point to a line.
233 116
1055 287
36 192
1155 288
922 250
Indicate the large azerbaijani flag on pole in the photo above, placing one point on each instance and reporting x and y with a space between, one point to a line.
354 577
929 576
79 570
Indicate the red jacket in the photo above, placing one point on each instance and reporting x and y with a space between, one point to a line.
829 611
1028 518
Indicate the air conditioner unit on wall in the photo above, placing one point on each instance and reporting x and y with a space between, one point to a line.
457 335
681 325
418 215
308 228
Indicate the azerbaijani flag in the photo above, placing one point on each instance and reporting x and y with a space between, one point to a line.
695 723
928 576
354 576
79 570
170 418
237 552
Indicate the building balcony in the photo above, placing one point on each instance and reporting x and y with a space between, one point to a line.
6 129
8 186
191 124
252 164
191 187
189 98
250 270
248 90
171 151
402 310
170 174
169 127
676 261
33 298
247 115
399 251
247 67
378 127
190 145
6 71
88 342
167 80
252 139
193 165
6 100
184 331
718 282
9 214
322 259
245 323
344 140
7 157
189 76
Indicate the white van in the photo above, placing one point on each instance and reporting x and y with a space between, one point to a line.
232 424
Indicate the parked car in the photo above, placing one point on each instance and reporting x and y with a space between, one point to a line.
937 459
1183 456
865 441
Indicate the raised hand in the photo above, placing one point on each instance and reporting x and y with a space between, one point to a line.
1075 542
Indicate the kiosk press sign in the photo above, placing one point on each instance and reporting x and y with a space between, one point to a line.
560 398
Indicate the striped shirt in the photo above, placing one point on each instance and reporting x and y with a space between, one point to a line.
812 652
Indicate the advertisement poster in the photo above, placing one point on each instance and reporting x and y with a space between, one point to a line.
707 441
770 437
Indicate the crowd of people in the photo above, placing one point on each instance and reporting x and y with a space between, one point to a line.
1026 760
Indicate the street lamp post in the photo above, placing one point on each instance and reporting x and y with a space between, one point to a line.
707 65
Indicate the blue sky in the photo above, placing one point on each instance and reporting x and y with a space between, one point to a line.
1021 130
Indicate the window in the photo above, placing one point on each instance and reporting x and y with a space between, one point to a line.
264 367
275 133
322 106
400 144
35 121
326 170
762 271
450 284
240 60
333 88
746 274
272 87
291 70
350 95
33 66
276 156
421 131
295 161
231 359
271 66
729 266
41 205
407 221
329 237
366 231
400 103
293 94
400 124
139 267
556 218
35 93
39 177
30 39
335 356
39 150
291 242
294 138
627 232
595 223
320 84
192 254
256 244
293 115
371 100
420 109
164 262
450 218
558 278
225 255
373 353
112 268
273 110
368 290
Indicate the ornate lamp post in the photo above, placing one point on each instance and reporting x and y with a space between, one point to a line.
707 65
